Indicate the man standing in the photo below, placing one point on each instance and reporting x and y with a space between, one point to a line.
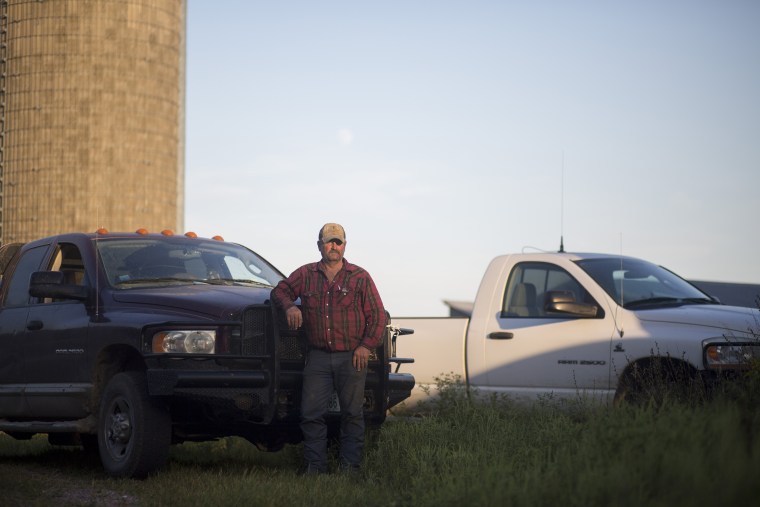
344 320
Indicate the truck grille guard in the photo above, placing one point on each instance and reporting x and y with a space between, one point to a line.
268 386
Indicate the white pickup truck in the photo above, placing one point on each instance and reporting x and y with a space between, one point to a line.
564 324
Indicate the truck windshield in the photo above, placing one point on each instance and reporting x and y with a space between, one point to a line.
132 262
637 284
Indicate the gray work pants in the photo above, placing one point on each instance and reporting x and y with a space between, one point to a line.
324 373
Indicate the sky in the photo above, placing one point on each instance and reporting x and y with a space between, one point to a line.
443 133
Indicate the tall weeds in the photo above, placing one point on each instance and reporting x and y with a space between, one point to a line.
501 453
458 453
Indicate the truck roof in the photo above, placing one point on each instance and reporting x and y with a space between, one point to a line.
571 256
105 234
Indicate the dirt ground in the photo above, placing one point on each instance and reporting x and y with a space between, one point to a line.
32 485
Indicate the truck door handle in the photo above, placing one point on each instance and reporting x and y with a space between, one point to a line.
501 335
34 325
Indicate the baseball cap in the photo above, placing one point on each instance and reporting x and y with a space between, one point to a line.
330 232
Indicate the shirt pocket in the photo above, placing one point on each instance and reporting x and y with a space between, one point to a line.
345 297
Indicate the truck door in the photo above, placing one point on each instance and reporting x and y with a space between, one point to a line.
15 308
530 349
55 344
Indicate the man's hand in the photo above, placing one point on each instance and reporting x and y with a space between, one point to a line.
361 357
294 317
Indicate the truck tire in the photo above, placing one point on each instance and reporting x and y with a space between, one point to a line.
134 430
655 381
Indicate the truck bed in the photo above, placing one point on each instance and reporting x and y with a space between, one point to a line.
437 347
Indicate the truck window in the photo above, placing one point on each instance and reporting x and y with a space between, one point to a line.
6 255
239 270
529 285
68 261
629 281
18 288
130 263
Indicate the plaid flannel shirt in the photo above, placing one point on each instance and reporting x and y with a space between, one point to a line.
340 315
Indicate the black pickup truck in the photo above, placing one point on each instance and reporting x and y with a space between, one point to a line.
126 343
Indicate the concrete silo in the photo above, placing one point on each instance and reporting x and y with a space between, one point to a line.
91 116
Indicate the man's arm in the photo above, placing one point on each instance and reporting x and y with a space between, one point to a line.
374 315
285 294
374 329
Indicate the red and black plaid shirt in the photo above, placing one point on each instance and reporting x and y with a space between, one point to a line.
339 315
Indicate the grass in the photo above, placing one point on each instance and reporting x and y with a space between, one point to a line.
498 453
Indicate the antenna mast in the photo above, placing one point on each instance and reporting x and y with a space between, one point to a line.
562 209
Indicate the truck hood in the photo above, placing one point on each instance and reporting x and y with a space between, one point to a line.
218 301
723 318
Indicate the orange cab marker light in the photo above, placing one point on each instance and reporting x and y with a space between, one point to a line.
167 232
191 234
142 230
218 238
102 230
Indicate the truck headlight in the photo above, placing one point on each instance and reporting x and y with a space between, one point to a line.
185 341
731 356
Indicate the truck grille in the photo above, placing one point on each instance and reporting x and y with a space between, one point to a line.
291 348
229 404
254 332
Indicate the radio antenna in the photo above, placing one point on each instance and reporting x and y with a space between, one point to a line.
619 325
622 273
562 208
96 275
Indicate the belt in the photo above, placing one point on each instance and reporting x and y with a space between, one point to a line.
328 351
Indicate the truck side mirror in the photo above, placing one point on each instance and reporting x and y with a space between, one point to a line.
51 284
564 302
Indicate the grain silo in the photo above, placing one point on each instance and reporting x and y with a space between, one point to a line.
91 116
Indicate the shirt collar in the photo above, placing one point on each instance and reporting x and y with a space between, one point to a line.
346 265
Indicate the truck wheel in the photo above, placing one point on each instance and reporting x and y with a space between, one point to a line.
656 381
134 430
